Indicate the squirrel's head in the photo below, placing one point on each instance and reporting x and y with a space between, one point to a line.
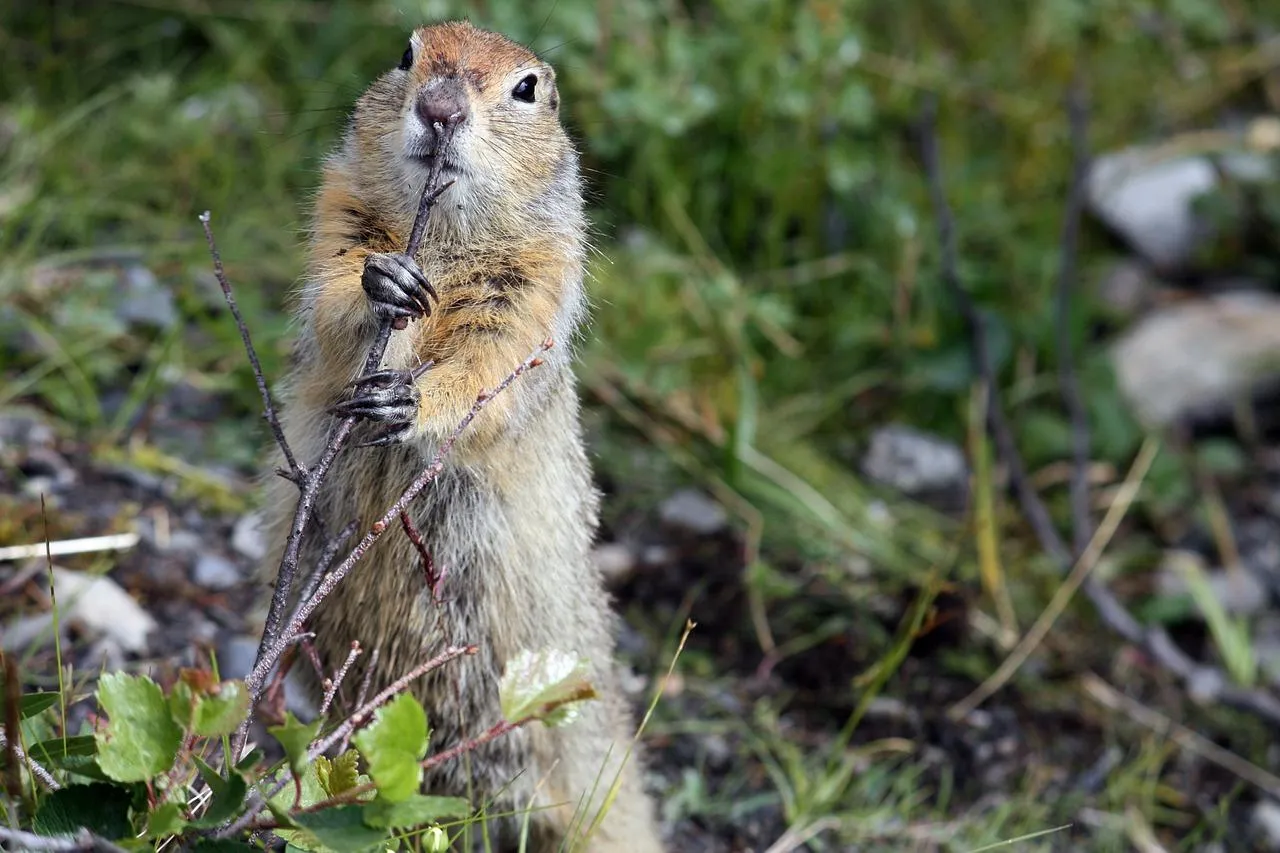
488 108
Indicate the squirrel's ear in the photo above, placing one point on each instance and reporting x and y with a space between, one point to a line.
406 61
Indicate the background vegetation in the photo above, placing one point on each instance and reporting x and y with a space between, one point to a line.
766 289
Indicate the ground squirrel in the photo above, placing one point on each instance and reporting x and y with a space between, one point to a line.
511 519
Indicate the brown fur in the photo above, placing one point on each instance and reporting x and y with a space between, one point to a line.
512 517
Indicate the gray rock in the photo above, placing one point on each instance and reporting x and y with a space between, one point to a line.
1266 647
614 560
1266 819
1147 198
247 537
1127 288
144 301
25 429
693 511
1240 592
914 462
1197 357
214 571
236 656
184 542
96 604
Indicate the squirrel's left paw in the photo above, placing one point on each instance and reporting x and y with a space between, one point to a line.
388 397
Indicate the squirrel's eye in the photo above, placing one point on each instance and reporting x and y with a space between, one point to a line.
524 89
406 61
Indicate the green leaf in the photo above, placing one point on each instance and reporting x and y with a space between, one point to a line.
393 745
250 762
416 811
221 712
34 703
166 820
296 738
56 750
339 775
545 686
227 795
140 739
101 807
340 829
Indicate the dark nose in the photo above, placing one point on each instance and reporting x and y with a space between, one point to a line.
443 105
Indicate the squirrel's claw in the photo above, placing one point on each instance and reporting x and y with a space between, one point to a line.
394 404
396 286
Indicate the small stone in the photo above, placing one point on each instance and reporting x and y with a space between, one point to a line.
184 542
693 511
1205 685
247 537
236 656
97 604
1127 288
614 560
1147 198
1266 818
913 461
1239 592
655 555
1197 357
144 301
214 571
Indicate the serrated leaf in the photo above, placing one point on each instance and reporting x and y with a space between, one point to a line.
34 703
100 807
165 820
312 792
340 829
226 795
339 775
418 810
140 739
222 711
296 737
393 745
544 686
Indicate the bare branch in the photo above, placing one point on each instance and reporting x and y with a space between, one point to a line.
257 677
268 407
336 683
1082 527
83 841
36 770
1155 641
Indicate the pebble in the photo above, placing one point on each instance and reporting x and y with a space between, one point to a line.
913 461
247 537
97 604
1195 358
1266 818
1147 198
614 560
691 510
214 571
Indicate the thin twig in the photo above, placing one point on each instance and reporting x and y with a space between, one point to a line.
268 407
327 557
1062 597
341 734
1077 112
83 841
1155 641
1189 740
362 714
336 682
257 677
314 478
36 770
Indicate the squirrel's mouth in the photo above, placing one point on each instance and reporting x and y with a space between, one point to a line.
426 157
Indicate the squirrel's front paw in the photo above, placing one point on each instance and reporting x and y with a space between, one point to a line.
388 397
396 288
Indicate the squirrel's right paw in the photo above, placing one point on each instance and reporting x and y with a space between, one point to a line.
396 288
388 397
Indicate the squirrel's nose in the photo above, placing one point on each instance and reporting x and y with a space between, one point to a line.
442 103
